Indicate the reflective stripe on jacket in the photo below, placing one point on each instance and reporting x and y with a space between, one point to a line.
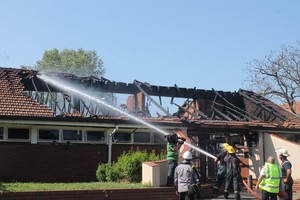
271 180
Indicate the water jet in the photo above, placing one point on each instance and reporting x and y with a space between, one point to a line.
55 82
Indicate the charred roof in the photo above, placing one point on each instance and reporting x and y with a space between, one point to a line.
23 93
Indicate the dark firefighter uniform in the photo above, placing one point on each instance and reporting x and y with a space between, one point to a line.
233 173
221 165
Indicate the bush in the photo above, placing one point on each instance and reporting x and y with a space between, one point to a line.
127 168
114 173
101 172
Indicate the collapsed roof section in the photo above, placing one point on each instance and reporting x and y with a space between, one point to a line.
23 93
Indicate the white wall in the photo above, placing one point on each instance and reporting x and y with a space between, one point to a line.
254 162
155 173
274 142
271 143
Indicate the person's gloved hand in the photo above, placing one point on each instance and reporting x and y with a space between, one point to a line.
181 141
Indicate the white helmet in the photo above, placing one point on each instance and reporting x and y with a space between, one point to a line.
187 155
283 152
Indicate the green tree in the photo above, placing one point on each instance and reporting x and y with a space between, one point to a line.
80 62
277 76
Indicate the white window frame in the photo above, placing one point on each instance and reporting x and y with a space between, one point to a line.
143 131
72 129
104 131
47 140
18 140
126 131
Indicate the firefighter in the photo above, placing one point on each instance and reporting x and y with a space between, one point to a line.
269 180
185 177
233 173
173 146
221 166
286 169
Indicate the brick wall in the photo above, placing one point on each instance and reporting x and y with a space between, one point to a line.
50 163
26 162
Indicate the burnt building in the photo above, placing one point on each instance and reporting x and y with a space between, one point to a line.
60 131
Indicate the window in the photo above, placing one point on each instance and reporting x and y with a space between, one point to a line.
252 139
95 136
122 137
142 137
47 134
18 133
1 133
159 138
73 135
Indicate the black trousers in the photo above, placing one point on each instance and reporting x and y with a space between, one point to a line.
288 189
220 177
172 165
232 177
265 195
186 196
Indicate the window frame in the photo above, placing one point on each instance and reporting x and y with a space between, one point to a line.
123 141
19 139
95 130
48 140
72 141
141 132
3 134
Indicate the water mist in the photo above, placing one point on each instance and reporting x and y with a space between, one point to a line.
65 86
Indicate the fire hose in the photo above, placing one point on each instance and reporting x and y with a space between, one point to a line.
251 191
191 146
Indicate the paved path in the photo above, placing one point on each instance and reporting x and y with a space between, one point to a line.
247 195
244 195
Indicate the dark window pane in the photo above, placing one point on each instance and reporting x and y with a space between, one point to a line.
45 134
95 136
122 137
159 138
18 133
1 133
142 137
72 135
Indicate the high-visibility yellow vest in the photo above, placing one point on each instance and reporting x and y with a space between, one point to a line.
271 180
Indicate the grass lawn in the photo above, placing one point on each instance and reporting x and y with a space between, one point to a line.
21 187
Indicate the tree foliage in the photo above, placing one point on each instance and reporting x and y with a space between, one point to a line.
78 62
277 76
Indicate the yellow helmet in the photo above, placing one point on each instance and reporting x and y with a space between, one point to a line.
230 149
225 145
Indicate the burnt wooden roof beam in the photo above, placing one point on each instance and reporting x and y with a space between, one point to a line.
222 114
198 111
271 111
138 85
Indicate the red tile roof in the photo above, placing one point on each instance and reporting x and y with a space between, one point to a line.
13 99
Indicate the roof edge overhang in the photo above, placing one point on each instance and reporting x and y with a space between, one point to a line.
219 126
86 122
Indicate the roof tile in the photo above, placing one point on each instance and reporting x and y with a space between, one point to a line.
13 100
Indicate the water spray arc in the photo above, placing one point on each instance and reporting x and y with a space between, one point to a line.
64 86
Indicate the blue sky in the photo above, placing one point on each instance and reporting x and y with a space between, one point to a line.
202 44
